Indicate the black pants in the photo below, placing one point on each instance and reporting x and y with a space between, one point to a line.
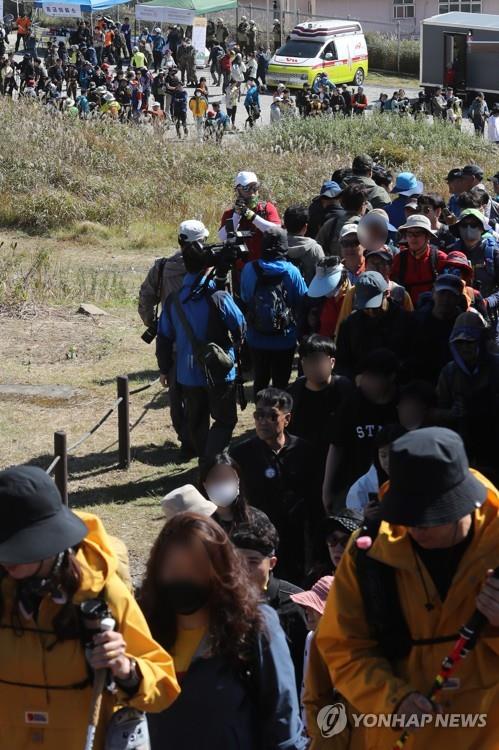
231 111
158 59
269 364
219 403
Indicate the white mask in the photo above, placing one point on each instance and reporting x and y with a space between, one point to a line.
472 234
223 494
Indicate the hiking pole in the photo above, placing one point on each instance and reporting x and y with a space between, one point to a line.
241 395
96 619
466 642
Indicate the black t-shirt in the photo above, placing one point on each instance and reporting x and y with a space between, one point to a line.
312 411
442 564
353 430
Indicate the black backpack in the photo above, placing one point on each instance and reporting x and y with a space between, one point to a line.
269 311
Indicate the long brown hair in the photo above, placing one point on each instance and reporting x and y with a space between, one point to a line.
233 605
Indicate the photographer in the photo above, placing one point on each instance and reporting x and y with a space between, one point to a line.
249 213
165 277
204 324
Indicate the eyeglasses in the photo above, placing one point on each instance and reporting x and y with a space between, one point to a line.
249 188
261 414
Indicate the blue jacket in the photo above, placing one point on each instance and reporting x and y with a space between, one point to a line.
210 320
295 288
252 98
396 213
158 43
220 710
179 102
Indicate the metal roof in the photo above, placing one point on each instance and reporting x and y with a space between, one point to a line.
482 21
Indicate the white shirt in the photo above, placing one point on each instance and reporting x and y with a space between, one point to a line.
358 494
493 128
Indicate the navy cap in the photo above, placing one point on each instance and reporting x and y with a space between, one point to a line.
370 290
454 174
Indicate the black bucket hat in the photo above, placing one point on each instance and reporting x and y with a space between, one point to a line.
430 480
35 523
346 520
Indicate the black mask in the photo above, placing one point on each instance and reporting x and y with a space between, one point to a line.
184 597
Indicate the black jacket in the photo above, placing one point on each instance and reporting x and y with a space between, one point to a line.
318 215
360 334
283 486
293 621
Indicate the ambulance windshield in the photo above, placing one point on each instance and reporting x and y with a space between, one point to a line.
300 48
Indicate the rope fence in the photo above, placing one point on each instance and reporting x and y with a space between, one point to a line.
59 465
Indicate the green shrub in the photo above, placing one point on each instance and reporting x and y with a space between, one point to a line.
383 54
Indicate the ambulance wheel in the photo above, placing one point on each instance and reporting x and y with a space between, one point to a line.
359 77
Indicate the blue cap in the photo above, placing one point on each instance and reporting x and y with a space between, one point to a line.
330 189
407 184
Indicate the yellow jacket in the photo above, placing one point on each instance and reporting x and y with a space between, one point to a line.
373 685
198 106
40 717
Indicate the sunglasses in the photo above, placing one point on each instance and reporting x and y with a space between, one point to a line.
249 188
470 224
268 414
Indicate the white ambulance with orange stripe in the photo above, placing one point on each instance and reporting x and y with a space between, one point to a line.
337 48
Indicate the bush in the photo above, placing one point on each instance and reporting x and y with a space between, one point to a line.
383 53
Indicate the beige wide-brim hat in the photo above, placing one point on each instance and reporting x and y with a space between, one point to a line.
186 499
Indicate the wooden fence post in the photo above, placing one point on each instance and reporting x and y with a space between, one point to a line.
124 422
61 468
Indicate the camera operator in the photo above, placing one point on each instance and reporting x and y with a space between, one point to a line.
164 277
249 213
205 325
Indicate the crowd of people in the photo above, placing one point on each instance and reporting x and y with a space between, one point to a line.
323 564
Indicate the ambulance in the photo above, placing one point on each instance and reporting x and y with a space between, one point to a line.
337 48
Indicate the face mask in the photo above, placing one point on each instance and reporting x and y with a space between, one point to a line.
253 201
472 234
184 597
223 494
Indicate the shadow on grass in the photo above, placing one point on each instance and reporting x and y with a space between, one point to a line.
142 376
95 465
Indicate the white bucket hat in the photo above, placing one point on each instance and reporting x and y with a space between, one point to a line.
186 499
418 221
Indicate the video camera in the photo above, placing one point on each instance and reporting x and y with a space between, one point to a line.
222 256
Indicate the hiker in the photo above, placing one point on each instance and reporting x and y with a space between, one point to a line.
351 251
319 690
480 247
304 252
275 470
430 564
417 267
324 300
364 491
258 544
179 109
229 651
272 289
478 113
376 322
353 201
325 206
354 427
416 405
53 561
406 187
317 395
468 391
252 103
220 480
432 205
362 168
198 106
196 316
249 213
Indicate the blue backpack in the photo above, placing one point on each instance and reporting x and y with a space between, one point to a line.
269 311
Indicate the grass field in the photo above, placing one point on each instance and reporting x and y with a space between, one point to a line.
84 211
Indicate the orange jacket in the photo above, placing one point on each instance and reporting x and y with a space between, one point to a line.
372 684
